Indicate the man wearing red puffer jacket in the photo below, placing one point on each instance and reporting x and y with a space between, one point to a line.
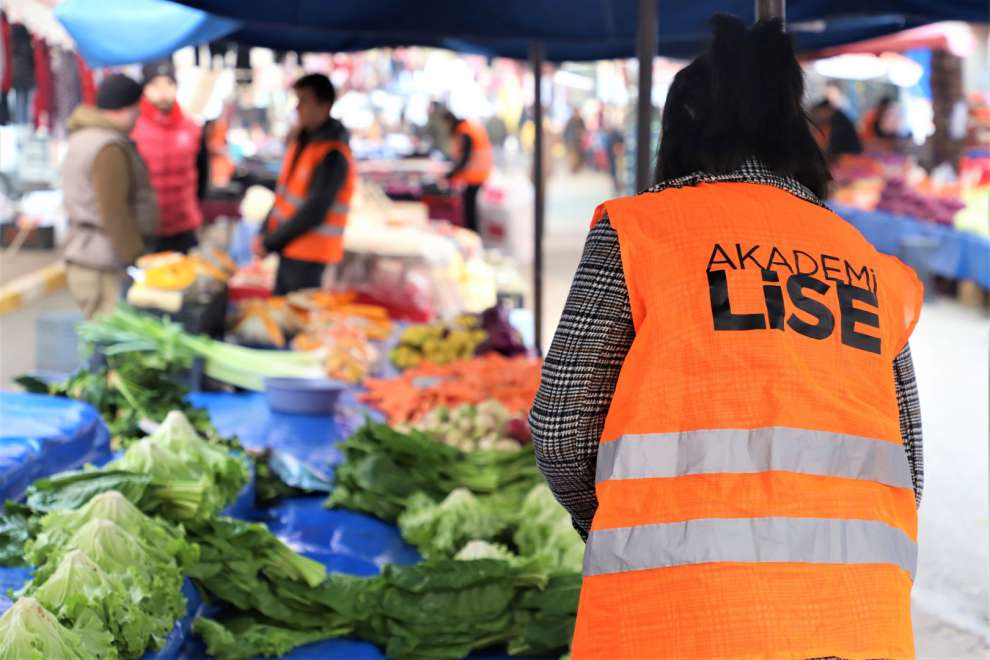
171 145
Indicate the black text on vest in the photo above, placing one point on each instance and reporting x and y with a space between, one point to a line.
856 304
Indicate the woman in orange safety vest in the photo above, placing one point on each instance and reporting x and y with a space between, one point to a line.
728 409
472 153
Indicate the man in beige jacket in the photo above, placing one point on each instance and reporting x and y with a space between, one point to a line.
108 199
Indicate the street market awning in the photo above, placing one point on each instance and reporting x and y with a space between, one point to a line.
574 30
133 31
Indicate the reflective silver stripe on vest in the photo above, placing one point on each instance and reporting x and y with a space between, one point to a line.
329 230
340 209
290 198
754 450
759 540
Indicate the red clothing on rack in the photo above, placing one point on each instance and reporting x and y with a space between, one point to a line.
86 80
8 55
44 98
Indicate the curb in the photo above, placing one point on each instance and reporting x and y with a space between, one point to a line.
32 286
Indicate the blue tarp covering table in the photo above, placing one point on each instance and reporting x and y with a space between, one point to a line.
42 435
343 541
956 255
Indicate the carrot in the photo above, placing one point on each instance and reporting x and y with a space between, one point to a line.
511 381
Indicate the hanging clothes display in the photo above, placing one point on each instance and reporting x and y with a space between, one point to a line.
43 109
6 69
87 84
22 72
67 87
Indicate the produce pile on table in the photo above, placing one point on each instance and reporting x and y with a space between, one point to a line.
104 569
410 397
466 336
501 560
332 323
130 331
165 280
898 186
469 427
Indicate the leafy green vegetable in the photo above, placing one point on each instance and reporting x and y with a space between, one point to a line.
245 565
30 632
70 490
129 331
545 531
133 389
82 594
440 530
247 637
227 471
58 528
383 468
16 529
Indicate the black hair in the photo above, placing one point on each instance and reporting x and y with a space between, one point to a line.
881 108
740 100
320 85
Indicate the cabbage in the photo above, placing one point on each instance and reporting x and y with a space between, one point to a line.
229 472
30 632
58 527
180 490
152 577
545 532
158 462
484 550
439 530
82 594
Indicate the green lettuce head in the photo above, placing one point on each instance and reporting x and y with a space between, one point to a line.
82 594
30 632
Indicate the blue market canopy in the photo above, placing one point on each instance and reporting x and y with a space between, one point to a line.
570 30
133 31
128 31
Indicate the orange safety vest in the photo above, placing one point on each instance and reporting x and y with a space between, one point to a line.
754 495
479 165
325 244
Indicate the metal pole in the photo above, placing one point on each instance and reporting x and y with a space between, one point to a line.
646 49
536 57
771 9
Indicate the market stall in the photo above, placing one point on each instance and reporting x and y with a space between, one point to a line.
457 437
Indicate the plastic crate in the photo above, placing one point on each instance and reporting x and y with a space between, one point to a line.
57 348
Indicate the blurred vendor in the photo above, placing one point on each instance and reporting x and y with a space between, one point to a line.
882 127
836 134
306 224
171 144
472 153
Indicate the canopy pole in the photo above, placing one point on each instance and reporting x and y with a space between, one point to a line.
771 9
536 59
646 49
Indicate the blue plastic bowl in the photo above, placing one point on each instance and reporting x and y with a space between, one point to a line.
303 396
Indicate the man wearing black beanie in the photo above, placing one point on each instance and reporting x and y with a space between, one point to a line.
109 201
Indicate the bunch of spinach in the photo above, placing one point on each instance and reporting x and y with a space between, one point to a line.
383 468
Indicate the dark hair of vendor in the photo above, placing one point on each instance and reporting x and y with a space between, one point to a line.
741 100
320 85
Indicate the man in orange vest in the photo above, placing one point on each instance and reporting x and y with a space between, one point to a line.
472 152
306 224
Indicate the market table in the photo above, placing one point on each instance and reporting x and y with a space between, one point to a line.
955 254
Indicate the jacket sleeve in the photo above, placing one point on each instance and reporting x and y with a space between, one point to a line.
466 146
909 410
111 179
579 376
328 177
